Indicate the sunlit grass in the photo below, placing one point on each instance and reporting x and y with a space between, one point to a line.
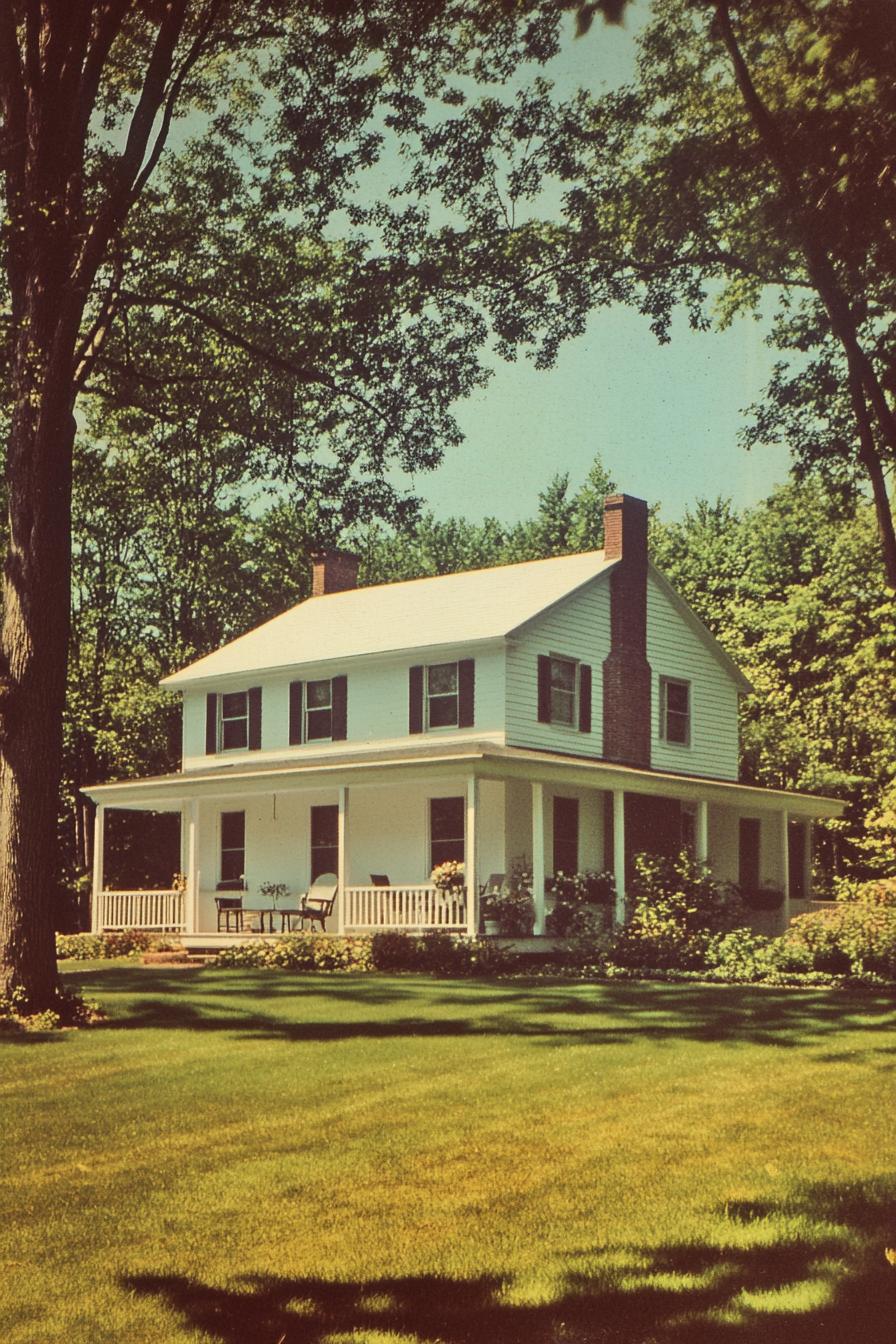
244 1156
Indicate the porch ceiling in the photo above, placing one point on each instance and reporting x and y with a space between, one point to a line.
485 760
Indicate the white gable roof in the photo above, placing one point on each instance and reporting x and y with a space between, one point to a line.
447 609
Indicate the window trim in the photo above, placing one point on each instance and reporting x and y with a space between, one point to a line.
665 684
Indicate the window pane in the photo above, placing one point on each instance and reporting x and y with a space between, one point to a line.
566 835
443 851
443 711
234 733
562 706
563 674
319 724
325 825
677 697
677 728
233 830
446 818
443 679
233 704
318 693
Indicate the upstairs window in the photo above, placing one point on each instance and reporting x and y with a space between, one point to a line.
441 695
318 710
564 692
675 711
234 720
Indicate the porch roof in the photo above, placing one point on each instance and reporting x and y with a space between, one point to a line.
485 760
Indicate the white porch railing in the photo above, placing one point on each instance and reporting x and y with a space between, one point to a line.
404 907
162 911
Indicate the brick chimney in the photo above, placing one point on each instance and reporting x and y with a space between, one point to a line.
333 571
627 677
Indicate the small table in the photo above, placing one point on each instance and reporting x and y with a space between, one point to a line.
266 912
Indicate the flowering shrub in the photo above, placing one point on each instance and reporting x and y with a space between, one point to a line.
847 936
301 952
573 893
674 907
448 876
69 1010
97 946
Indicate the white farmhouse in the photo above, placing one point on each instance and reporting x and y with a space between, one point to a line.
570 712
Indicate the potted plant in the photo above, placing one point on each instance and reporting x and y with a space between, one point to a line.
448 877
274 892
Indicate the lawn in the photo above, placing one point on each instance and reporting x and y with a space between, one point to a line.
262 1158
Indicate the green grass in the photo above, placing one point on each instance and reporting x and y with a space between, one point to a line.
255 1157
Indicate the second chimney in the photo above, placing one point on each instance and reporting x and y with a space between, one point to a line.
626 671
333 571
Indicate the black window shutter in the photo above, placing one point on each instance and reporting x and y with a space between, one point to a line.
340 709
584 698
211 723
295 713
415 700
544 688
255 718
466 692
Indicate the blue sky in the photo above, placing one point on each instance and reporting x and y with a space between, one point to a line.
664 419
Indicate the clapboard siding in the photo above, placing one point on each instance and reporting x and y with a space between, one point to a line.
674 649
377 696
577 628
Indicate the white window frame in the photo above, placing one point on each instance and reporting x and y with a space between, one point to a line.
233 718
665 684
231 849
573 722
438 797
428 697
309 709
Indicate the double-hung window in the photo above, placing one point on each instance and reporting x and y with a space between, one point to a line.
675 711
233 721
564 692
318 710
234 727
441 695
446 830
233 846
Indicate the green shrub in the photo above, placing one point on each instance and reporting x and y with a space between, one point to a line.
301 952
439 953
573 894
674 907
96 946
880 891
847 937
69 1010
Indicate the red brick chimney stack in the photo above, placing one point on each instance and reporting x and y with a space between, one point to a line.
626 671
333 571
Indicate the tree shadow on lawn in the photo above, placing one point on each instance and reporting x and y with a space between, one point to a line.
833 1284
294 1008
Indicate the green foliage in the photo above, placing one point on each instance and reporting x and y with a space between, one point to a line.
512 905
301 952
68 1010
674 906
847 937
573 894
440 954
90 946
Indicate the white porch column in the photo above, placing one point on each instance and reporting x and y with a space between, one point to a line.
619 853
342 857
538 873
96 904
785 866
701 838
471 874
191 851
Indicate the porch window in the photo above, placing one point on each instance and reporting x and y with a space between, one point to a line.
748 853
234 720
324 840
233 846
319 713
441 695
675 711
446 830
566 835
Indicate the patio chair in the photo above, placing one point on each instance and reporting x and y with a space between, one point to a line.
317 903
494 883
230 913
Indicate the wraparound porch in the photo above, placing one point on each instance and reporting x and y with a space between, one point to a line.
367 815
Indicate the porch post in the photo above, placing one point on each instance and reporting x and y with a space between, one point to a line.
619 853
785 865
191 895
341 857
538 873
96 904
470 864
701 839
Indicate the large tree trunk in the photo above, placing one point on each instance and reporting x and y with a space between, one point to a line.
33 649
